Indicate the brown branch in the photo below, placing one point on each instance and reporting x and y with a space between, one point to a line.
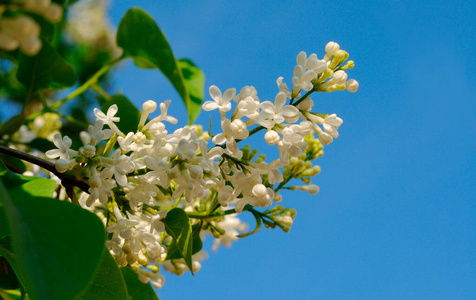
66 180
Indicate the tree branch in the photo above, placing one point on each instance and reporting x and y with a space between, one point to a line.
66 180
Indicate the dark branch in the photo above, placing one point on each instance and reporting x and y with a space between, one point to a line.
66 181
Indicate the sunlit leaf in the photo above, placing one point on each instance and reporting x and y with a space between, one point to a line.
142 39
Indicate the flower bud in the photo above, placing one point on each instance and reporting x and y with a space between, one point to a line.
8 42
30 45
149 106
349 65
238 127
340 77
272 137
332 48
88 151
352 85
325 138
61 165
53 13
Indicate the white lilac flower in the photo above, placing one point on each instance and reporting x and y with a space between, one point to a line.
208 157
275 113
186 149
221 102
302 78
283 87
119 165
96 133
158 175
227 136
331 124
248 107
137 238
109 118
163 115
245 92
292 143
63 151
100 187
271 169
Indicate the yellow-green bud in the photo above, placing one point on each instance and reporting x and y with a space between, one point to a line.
349 65
131 258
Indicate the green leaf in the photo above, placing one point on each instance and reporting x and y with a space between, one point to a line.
4 227
8 279
13 163
195 82
36 187
129 114
142 39
177 225
46 70
197 244
12 125
56 244
41 144
137 289
108 282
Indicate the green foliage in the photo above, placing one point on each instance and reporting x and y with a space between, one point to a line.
41 144
142 39
197 244
128 113
177 225
108 282
54 243
137 289
195 82
8 279
46 70
12 125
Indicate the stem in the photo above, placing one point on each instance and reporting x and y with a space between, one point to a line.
66 180
305 96
93 80
217 214
101 92
72 120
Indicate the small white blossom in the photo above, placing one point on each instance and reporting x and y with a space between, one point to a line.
221 102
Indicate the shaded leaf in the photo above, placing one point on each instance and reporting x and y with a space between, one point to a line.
108 282
128 113
46 70
177 225
13 163
197 244
12 125
8 279
56 244
41 144
137 290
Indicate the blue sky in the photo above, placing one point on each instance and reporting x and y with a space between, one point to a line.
395 217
